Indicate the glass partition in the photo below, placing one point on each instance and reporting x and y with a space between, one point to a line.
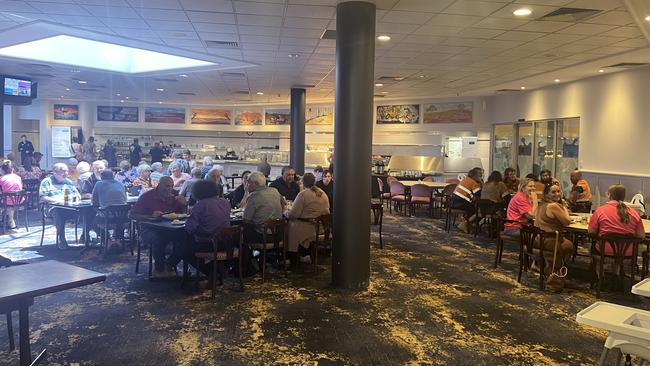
566 157
544 147
524 149
502 149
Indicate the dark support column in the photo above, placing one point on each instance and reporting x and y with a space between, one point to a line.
298 100
355 65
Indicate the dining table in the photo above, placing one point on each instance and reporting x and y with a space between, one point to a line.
583 226
434 185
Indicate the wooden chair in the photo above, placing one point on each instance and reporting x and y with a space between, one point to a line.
113 215
274 238
383 196
324 227
621 246
227 244
428 178
18 201
31 186
378 213
501 238
441 199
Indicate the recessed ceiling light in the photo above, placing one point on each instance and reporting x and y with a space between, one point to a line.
82 82
523 88
293 55
379 84
259 93
67 89
557 80
61 97
183 75
522 12
601 70
118 94
383 38
421 76
384 92
160 89
126 97
121 100
160 102
647 18
92 54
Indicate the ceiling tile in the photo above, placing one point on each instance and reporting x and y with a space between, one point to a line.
422 5
559 38
467 7
636 42
299 32
259 39
610 50
395 28
438 30
223 6
612 18
479 33
165 25
628 32
454 20
499 23
547 26
210 27
520 36
229 37
77 20
537 10
155 4
299 41
599 40
163 14
102 2
57 8
586 29
408 17
594 4
125 23
259 8
307 11
112 11
429 40
266 21
293 22
176 34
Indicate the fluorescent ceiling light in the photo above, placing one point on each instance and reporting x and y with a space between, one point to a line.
647 18
384 38
68 50
522 12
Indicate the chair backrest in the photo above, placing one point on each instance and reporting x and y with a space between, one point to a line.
428 179
486 207
228 238
620 245
324 223
15 198
528 235
31 185
380 183
449 189
421 190
390 178
274 230
396 187
114 213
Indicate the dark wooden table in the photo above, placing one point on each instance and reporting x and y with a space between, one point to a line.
21 284
78 207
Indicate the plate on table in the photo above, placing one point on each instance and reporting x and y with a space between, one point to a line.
177 222
173 216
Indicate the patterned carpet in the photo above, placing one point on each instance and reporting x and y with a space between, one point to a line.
434 299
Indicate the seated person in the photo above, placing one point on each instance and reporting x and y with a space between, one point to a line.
156 173
494 190
216 175
210 213
318 173
89 184
52 190
109 192
124 175
310 203
522 208
545 178
615 217
327 185
553 215
237 196
286 184
144 180
83 174
580 195
511 181
208 163
153 204
177 175
263 203
186 189
464 195
177 157
10 182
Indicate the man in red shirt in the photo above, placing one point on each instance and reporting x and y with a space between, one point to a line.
153 204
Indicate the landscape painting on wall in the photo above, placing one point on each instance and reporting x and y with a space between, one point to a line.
210 116
448 112
319 115
398 114
248 118
117 114
164 115
68 112
277 117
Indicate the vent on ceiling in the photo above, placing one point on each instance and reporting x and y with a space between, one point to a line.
185 93
239 75
627 65
571 14
222 44
305 86
166 80
328 34
392 78
246 92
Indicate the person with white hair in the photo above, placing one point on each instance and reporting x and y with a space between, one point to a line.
177 155
156 172
73 174
83 174
124 175
144 177
177 175
52 189
208 163
263 203
89 184
216 175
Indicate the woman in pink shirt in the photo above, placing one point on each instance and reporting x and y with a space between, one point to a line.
10 182
521 208
616 218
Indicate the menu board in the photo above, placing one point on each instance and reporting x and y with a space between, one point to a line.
61 141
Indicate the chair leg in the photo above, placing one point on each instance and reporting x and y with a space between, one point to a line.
603 356
496 257
43 227
10 330
137 259
264 263
214 277
381 219
150 259
241 268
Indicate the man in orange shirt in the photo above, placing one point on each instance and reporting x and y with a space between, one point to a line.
466 192
580 195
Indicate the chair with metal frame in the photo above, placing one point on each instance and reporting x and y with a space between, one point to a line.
421 194
621 245
274 233
18 201
397 195
486 214
7 311
323 224
528 250
501 238
441 199
31 186
113 215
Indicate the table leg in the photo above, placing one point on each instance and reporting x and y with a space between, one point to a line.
603 356
86 237
23 321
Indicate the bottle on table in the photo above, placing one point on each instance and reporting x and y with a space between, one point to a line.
66 195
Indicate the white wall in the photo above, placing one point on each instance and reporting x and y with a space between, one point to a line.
614 113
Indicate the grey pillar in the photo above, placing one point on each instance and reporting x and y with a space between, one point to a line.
355 57
298 100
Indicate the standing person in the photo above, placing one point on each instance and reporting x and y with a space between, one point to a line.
110 154
156 153
10 182
264 167
310 203
286 184
76 147
90 150
327 185
25 148
318 173
135 152
53 189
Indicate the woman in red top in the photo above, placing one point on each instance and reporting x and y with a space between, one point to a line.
521 208
616 218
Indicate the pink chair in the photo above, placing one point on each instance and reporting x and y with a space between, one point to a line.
421 194
397 194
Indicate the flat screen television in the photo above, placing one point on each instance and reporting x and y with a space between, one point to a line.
17 87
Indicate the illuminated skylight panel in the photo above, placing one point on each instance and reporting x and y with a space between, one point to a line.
82 52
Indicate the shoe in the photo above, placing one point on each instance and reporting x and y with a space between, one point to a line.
463 227
305 259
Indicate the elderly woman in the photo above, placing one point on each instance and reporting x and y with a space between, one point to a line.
216 175
124 175
144 178
310 203
188 185
177 174
156 172
177 157
208 163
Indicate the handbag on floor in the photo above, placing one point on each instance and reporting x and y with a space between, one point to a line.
555 280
